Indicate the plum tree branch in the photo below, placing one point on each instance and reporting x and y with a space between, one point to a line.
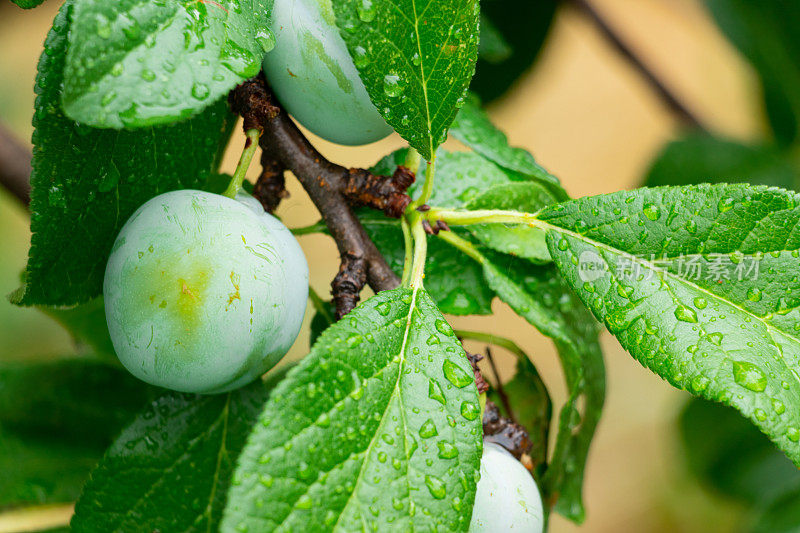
333 189
15 166
665 93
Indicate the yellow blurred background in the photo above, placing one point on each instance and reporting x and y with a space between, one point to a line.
587 117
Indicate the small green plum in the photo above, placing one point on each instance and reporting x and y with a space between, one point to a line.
315 78
507 498
204 293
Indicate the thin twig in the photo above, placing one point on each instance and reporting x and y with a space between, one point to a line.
664 92
15 166
501 393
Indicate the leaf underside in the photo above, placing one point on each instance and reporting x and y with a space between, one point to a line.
377 428
701 285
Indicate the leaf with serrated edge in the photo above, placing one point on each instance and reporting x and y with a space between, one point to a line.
416 59
377 428
133 64
736 341
87 182
473 127
178 454
538 295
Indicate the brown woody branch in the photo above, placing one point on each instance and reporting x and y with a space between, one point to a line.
333 189
15 166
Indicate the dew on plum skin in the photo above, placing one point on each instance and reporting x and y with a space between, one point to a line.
176 290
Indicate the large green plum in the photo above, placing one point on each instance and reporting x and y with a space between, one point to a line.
204 293
314 77
507 498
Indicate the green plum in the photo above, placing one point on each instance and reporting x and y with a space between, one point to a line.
204 293
507 498
315 78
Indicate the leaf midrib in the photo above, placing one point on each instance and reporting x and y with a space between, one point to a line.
665 273
396 390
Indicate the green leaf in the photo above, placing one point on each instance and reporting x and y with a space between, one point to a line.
523 26
492 47
514 239
780 516
699 284
416 60
766 33
730 455
134 64
473 127
27 4
87 325
698 158
87 182
42 471
170 468
77 401
377 428
537 294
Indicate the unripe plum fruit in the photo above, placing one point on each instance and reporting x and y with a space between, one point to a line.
507 498
204 293
315 78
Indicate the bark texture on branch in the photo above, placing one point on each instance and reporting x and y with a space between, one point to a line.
332 188
15 166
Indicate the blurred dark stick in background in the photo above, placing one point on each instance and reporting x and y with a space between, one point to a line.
669 98
15 166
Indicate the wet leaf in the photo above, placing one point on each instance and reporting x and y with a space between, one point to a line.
700 284
377 428
133 64
416 60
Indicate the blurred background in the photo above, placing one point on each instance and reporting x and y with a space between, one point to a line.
591 119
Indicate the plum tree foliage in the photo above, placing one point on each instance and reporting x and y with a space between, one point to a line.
153 259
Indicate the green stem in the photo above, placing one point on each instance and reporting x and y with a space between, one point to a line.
482 216
427 187
462 244
409 247
249 151
318 227
320 305
420 250
412 160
